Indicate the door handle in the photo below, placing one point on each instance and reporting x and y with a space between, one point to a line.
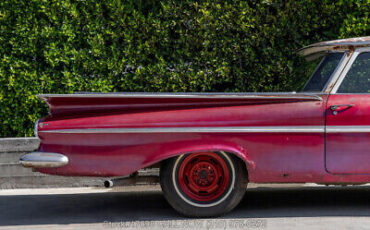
336 107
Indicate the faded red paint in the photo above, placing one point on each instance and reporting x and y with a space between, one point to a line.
348 153
269 157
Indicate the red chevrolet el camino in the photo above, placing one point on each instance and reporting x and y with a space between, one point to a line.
208 146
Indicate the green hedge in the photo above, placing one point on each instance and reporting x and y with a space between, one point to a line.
65 46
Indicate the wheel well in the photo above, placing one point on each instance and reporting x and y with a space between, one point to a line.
234 155
242 162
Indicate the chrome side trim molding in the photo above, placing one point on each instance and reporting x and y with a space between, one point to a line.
240 129
244 129
43 160
348 129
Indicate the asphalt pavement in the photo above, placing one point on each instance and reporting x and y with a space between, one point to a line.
144 207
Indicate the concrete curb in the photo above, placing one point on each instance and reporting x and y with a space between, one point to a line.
22 144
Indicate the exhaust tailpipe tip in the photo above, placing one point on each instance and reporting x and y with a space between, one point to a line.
108 183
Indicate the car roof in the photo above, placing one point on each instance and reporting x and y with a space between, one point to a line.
341 44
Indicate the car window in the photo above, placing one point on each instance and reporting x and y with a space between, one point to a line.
357 79
323 72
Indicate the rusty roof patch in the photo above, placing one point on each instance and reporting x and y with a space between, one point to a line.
341 44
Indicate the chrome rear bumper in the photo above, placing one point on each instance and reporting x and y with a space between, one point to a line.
43 160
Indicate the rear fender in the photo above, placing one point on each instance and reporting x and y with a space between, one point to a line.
186 148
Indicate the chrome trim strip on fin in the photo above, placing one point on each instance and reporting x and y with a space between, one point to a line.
290 95
43 160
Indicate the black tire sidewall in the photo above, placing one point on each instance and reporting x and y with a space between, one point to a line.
176 200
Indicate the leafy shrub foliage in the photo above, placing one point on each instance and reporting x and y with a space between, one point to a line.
66 46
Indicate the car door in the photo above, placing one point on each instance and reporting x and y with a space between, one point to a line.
348 118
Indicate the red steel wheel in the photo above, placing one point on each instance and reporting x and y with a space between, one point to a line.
203 176
203 184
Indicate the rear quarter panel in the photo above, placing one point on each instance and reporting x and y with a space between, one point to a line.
269 157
